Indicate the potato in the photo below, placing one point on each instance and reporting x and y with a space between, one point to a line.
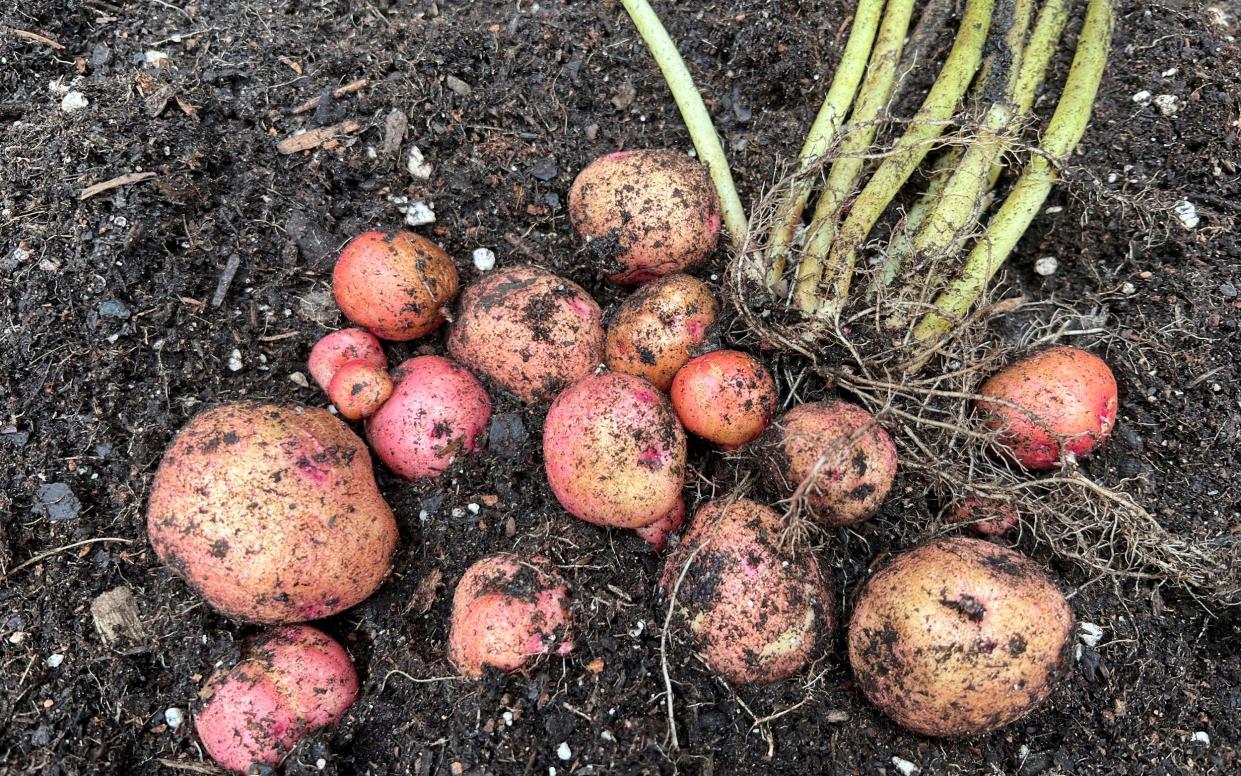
394 283
437 411
613 451
757 613
528 331
726 397
1065 403
271 513
656 534
987 516
959 637
334 350
841 449
294 681
359 389
659 328
646 213
506 610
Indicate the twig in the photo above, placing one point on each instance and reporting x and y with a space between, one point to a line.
349 88
226 279
316 137
45 555
36 37
429 680
114 183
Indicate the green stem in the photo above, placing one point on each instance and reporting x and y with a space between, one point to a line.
694 112
822 133
847 169
1064 131
928 124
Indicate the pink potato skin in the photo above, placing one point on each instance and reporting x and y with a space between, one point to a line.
657 533
505 611
438 410
725 396
758 613
858 460
527 331
294 681
359 389
1066 403
271 513
986 516
659 327
646 213
394 284
959 637
334 350
613 451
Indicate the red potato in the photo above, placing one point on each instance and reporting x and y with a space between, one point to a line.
395 284
294 681
271 513
987 516
528 331
613 451
359 389
505 611
1065 401
438 410
839 457
725 396
336 349
659 327
959 637
757 613
646 214
656 534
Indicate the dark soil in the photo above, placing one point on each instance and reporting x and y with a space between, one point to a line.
110 341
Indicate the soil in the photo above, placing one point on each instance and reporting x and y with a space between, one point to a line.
119 323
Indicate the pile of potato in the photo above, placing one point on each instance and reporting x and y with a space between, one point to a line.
272 513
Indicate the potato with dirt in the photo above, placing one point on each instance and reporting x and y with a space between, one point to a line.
293 681
507 610
334 350
959 637
614 452
359 389
661 326
527 331
646 213
757 611
271 513
726 397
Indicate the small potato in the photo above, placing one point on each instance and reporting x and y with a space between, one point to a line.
838 457
646 213
656 534
437 411
987 516
334 350
959 637
659 327
1065 403
725 396
505 611
359 389
613 451
757 612
271 513
528 331
394 283
294 681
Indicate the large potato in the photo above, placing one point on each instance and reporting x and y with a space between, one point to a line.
528 331
613 451
959 637
659 327
271 513
646 213
394 283
757 611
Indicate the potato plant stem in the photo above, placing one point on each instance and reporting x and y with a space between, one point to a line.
694 112
822 134
928 123
1063 133
847 168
